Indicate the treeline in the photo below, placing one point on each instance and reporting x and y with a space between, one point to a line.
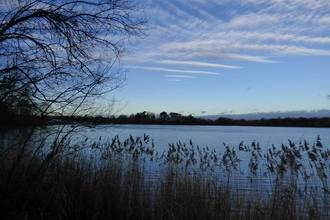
174 118
163 118
278 122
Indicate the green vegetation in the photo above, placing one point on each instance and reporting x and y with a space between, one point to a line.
112 179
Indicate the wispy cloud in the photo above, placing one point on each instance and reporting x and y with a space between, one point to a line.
264 32
200 64
179 76
174 70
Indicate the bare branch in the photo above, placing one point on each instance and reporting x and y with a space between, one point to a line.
65 52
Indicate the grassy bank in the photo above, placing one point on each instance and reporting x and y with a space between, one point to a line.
129 180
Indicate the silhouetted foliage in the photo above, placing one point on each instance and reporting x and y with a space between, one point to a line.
57 56
175 116
146 117
163 115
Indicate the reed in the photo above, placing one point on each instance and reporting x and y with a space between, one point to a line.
130 180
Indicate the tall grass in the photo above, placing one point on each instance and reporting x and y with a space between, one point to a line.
130 180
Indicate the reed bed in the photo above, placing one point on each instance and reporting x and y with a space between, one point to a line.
128 179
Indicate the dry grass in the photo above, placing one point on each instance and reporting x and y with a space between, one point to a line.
190 183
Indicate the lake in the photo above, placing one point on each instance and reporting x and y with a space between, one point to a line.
310 173
213 136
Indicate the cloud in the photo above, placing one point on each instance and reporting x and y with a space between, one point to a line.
328 97
179 76
253 20
220 48
244 57
175 70
200 64
217 49
264 30
275 37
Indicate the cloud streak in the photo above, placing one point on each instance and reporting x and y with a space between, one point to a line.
179 76
199 64
265 31
175 70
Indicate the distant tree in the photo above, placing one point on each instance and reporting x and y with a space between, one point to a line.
163 115
175 116
151 116
122 117
189 119
224 121
139 115
145 115
58 56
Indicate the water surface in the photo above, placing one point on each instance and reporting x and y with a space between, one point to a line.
215 136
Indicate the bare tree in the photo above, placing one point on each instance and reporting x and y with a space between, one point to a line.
59 55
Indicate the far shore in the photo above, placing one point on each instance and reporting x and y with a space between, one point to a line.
151 119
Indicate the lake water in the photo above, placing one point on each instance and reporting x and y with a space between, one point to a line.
214 136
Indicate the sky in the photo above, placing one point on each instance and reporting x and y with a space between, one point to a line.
231 57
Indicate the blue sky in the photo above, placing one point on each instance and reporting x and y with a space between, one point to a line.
230 57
